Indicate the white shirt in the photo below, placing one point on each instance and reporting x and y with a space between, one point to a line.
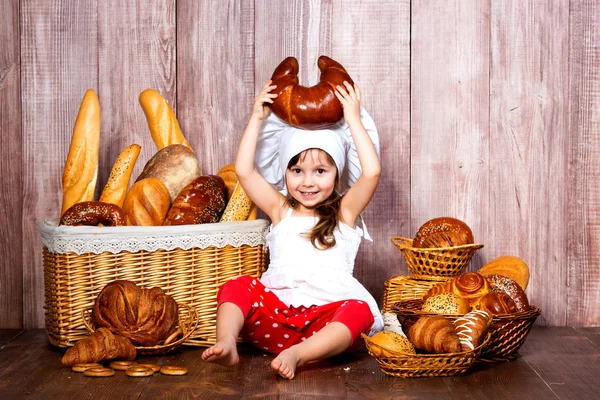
302 275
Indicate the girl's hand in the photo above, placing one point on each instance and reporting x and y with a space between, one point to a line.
259 110
350 98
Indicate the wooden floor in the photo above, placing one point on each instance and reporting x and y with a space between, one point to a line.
561 363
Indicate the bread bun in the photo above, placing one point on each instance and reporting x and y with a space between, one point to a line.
81 168
447 304
470 286
390 344
161 119
175 166
315 107
201 201
496 303
510 266
503 284
118 181
147 203
443 232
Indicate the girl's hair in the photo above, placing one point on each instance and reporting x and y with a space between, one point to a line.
321 236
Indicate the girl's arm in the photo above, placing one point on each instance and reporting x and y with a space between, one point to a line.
360 194
258 189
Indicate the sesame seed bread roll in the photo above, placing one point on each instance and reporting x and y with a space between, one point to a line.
161 119
81 168
118 182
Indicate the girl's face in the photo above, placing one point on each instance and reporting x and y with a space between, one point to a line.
311 180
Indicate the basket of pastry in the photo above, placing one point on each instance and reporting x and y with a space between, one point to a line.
500 295
151 319
173 227
433 346
405 287
442 248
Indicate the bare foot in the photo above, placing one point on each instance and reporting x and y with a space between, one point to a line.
285 363
224 352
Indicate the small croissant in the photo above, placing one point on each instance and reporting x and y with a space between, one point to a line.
99 346
434 334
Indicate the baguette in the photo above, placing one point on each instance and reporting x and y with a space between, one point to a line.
118 182
81 168
161 119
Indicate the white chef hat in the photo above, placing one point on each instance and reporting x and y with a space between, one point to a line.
278 142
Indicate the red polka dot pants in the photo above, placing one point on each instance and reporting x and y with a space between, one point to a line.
273 326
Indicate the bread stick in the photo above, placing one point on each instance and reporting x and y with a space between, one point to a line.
118 182
81 168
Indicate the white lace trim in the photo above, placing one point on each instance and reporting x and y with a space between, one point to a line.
97 240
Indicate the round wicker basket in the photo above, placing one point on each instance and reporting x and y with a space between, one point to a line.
424 365
188 321
508 332
438 263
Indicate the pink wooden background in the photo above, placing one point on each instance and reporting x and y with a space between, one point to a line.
488 111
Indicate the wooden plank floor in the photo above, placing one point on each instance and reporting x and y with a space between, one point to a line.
554 363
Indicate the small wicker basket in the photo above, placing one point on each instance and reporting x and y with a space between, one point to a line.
187 323
188 262
435 263
424 365
403 287
508 332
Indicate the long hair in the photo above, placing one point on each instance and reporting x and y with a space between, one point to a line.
321 236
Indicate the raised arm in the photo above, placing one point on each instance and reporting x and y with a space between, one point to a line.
258 189
360 194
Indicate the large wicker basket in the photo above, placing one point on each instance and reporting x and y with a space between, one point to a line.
423 365
435 263
188 262
403 287
508 332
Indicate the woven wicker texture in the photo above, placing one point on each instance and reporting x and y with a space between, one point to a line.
403 287
192 277
435 263
424 365
508 332
187 323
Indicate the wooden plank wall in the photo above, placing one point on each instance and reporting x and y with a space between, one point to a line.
487 111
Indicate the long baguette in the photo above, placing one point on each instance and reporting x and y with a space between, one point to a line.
161 119
118 182
81 168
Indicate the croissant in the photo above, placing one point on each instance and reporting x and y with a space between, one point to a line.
313 107
434 334
99 346
144 316
471 328
496 303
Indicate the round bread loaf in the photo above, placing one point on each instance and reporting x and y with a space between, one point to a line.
447 304
390 343
443 232
175 166
504 284
147 203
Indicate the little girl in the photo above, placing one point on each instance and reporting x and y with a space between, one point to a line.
307 306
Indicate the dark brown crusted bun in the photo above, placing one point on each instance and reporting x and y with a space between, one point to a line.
443 232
